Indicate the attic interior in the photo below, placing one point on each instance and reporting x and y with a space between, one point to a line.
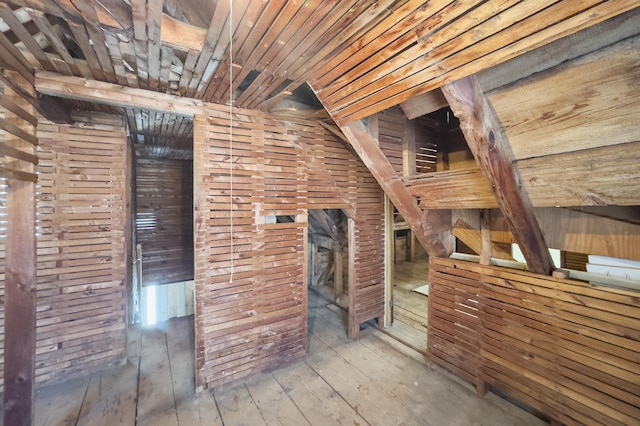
231 155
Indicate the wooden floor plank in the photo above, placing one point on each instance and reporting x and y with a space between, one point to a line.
111 397
319 402
374 380
59 405
368 398
237 408
273 402
156 404
192 409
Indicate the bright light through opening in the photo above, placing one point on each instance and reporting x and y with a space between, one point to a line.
151 305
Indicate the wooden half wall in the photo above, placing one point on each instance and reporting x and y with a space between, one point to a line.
82 214
569 349
250 268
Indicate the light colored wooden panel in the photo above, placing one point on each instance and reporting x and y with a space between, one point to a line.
585 103
580 232
457 189
592 177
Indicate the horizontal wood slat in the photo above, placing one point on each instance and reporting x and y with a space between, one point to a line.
164 219
251 274
81 322
566 348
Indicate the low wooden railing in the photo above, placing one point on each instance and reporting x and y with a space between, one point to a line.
566 348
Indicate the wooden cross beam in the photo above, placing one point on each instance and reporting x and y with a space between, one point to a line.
367 148
490 147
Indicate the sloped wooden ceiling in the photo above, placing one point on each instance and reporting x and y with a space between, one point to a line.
361 56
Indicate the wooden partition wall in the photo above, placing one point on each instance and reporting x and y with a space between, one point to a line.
164 219
82 215
566 348
250 269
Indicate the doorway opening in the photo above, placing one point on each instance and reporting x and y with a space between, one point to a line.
162 187
328 264
409 287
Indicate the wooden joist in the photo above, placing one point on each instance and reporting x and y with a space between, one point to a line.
112 94
490 147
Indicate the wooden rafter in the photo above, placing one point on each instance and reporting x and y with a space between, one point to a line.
112 94
366 146
488 143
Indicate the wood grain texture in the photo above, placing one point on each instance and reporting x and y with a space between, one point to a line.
250 280
164 219
592 177
585 103
490 147
575 231
566 348
372 156
19 290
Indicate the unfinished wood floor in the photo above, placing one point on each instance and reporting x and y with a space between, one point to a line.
373 381
410 308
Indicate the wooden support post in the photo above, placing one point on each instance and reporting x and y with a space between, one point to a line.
389 255
409 149
485 233
488 143
353 327
20 284
337 273
411 247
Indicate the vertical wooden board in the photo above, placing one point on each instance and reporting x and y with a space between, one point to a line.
61 404
19 334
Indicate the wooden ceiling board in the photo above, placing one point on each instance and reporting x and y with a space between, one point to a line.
362 57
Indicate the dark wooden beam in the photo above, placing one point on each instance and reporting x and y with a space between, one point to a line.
20 283
490 147
366 146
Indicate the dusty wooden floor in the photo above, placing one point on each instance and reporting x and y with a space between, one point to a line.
372 381
410 308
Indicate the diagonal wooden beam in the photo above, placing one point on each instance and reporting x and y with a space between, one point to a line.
366 146
490 147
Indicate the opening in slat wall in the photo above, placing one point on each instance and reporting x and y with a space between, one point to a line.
251 308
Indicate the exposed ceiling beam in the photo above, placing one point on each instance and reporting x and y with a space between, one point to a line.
82 89
490 147
424 104
367 148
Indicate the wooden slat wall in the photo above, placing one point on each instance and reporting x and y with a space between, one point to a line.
566 348
367 286
251 312
164 219
391 132
82 213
